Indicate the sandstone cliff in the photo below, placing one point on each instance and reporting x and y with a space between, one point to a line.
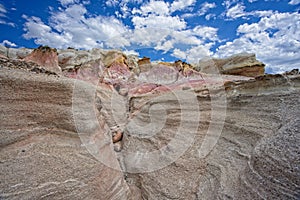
107 128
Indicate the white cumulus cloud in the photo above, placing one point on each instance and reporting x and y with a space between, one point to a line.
163 22
153 26
195 54
71 27
131 52
156 7
179 54
236 11
275 40
165 45
8 43
182 4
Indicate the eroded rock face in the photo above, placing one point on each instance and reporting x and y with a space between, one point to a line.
274 163
240 64
45 57
249 155
14 53
18 53
89 72
144 64
107 129
159 74
41 153
72 58
3 51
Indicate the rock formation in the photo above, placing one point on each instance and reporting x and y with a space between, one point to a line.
107 128
45 57
14 53
240 64
41 153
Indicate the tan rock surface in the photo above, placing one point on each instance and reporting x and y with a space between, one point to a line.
71 58
253 158
42 156
240 64
14 53
185 134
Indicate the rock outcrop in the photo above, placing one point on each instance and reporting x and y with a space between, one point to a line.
14 53
41 152
107 128
144 64
252 159
45 57
240 64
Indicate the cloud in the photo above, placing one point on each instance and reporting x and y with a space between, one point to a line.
262 13
275 40
195 44
206 32
236 11
167 32
153 30
195 54
68 2
158 21
8 43
125 7
42 33
131 52
71 27
179 54
228 3
165 45
178 5
210 16
163 8
155 7
3 16
162 26
294 2
113 3
2 9
153 26
205 7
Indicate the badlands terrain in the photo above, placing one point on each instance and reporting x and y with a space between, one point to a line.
100 124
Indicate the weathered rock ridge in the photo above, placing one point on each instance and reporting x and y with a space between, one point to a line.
240 64
99 124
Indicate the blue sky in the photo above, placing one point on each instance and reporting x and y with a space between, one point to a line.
163 30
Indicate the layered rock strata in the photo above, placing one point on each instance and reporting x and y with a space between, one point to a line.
107 128
241 64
